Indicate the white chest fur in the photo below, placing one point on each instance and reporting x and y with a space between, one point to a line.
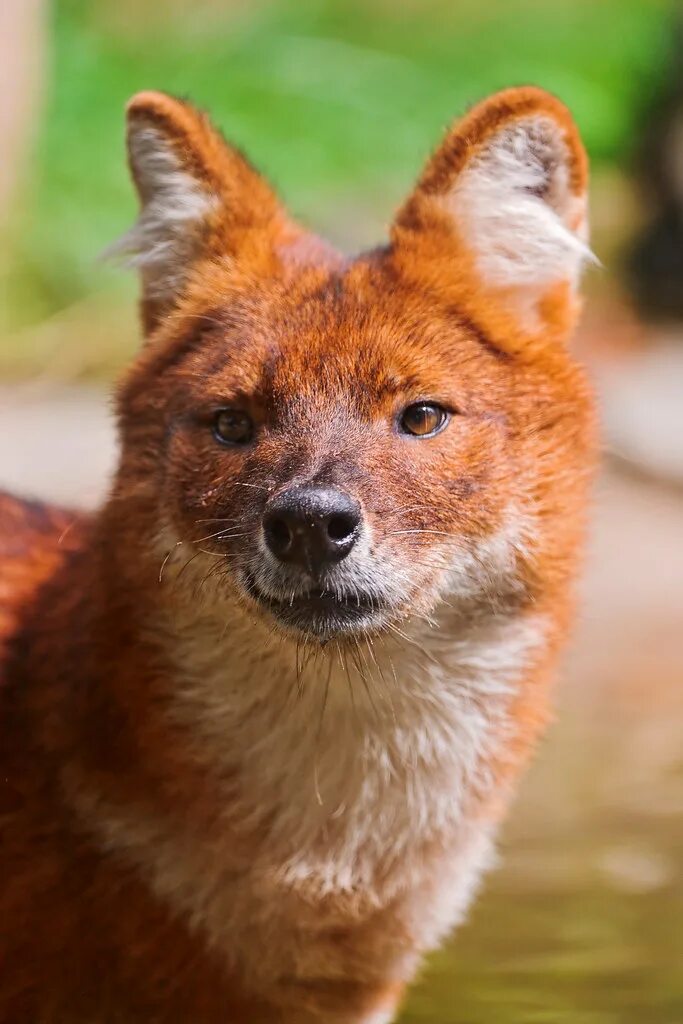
350 789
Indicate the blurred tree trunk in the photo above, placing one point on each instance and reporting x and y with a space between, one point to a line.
23 25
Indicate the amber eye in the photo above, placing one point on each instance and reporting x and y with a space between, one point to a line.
423 419
231 426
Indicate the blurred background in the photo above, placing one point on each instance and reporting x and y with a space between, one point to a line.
339 102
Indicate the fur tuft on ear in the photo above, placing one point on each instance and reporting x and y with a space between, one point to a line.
508 186
518 209
198 197
174 207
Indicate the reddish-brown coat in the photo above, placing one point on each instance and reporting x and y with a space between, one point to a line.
329 350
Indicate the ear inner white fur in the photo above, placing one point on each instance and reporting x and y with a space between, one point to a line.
174 206
517 210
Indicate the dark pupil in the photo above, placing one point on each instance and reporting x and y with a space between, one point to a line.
422 419
233 426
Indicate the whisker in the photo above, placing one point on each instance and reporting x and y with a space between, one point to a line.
214 554
405 509
215 569
356 655
299 685
342 658
388 695
184 567
219 533
409 639
326 693
218 519
181 317
436 533
165 561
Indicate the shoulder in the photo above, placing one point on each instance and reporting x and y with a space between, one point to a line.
35 539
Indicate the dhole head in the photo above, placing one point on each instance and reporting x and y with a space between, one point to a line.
344 443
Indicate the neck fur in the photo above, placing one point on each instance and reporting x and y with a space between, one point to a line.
353 749
333 781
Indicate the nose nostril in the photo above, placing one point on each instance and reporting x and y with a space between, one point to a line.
340 527
311 527
279 534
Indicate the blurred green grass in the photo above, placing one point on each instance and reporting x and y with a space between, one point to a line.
338 102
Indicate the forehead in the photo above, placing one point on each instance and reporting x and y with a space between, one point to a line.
342 330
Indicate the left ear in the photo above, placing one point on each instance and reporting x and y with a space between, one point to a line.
506 196
200 198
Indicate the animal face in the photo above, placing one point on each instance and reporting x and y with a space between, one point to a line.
343 444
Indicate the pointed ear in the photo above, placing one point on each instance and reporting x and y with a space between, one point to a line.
199 198
504 200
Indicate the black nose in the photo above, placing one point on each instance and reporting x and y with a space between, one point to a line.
311 526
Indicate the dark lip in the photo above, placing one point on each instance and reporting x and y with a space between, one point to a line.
318 611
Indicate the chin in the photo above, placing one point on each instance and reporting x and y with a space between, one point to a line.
321 614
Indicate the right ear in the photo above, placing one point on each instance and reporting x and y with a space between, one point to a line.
199 198
499 214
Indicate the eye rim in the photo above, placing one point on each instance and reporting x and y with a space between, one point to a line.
227 441
444 413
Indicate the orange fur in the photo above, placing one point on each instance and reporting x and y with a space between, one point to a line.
186 837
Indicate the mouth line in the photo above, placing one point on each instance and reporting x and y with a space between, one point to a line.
318 610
